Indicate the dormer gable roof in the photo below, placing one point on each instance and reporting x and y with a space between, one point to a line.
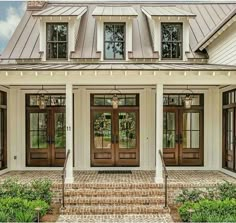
62 11
170 11
114 11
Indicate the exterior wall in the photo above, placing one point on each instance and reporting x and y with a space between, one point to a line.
223 49
212 133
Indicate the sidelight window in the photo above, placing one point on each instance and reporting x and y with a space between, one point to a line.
3 130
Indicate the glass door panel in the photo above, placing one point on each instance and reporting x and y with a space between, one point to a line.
127 130
38 147
126 133
102 130
170 149
58 136
102 147
190 138
230 137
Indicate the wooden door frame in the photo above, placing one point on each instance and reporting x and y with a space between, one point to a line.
169 150
225 152
28 150
136 162
201 138
101 162
179 119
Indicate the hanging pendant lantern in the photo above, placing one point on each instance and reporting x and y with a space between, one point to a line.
42 99
188 99
115 99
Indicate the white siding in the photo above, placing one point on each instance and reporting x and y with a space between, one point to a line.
223 49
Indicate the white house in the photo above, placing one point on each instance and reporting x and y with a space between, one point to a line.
114 83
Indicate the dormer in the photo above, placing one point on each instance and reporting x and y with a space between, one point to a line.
169 27
114 31
59 27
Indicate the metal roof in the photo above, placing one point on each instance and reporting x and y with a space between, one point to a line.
115 66
24 44
62 11
114 11
167 11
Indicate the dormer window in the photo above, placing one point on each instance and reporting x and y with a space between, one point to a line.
57 40
114 41
171 41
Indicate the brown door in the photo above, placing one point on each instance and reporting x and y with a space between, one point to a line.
46 138
183 137
115 137
230 139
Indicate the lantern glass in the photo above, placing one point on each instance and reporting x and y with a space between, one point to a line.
187 101
115 101
42 101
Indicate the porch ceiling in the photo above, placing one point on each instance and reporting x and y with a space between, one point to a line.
116 66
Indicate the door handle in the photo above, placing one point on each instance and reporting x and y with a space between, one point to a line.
113 139
49 140
180 138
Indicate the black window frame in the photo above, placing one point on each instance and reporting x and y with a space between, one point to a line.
3 129
171 42
47 41
104 41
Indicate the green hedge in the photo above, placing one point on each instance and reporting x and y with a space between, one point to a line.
36 190
21 210
209 211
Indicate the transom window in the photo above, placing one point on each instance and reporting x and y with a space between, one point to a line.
172 40
57 40
114 41
58 100
106 100
178 99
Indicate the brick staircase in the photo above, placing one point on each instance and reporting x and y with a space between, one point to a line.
110 199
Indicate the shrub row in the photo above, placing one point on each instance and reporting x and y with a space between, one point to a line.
36 190
21 210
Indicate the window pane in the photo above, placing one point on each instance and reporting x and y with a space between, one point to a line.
195 139
62 50
173 100
186 139
52 32
195 121
119 33
176 50
186 121
52 50
34 139
196 100
42 139
102 130
62 32
170 121
127 130
109 50
109 32
119 50
170 139
42 121
33 121
166 50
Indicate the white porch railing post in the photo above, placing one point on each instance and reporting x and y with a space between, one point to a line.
159 132
69 132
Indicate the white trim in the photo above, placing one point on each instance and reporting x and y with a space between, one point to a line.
230 173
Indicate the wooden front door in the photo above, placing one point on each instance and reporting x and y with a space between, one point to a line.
114 137
183 137
229 139
46 136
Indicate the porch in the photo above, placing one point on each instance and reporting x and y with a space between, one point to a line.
177 178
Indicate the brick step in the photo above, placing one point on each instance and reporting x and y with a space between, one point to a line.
114 200
113 192
109 186
113 209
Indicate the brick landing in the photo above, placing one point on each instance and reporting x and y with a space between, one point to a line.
176 177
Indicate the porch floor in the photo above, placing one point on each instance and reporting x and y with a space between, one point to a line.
176 177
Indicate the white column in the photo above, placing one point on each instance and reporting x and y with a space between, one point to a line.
69 132
159 132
